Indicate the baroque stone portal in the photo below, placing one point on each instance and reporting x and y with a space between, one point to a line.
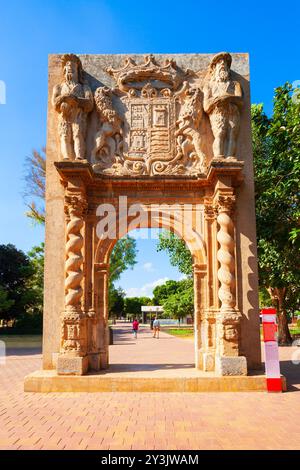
166 138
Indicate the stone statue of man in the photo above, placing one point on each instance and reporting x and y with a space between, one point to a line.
73 100
223 98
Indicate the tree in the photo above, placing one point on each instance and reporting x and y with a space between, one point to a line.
180 304
15 271
35 283
124 253
164 291
276 147
35 178
5 302
180 256
176 297
116 301
122 257
133 305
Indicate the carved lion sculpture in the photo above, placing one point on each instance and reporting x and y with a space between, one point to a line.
189 146
108 138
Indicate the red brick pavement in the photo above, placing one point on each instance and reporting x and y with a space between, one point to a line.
146 420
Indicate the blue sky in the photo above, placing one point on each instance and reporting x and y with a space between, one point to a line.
30 30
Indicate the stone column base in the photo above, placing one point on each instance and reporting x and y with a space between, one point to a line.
208 362
231 365
199 359
72 365
103 360
94 361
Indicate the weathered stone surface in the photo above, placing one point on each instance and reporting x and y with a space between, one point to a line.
145 131
157 115
67 365
48 381
231 365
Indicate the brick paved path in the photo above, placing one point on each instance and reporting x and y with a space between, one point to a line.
165 356
146 420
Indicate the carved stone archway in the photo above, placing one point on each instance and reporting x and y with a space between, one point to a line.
171 134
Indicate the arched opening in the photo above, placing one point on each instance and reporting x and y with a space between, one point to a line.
193 240
163 354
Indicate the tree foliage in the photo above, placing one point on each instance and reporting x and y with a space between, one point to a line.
176 297
122 257
15 272
116 301
276 147
5 302
164 291
35 283
180 256
133 305
180 305
35 180
21 286
124 253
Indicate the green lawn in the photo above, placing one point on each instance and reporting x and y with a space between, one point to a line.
183 332
21 341
188 332
295 330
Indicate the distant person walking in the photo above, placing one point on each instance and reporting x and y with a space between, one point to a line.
135 327
156 327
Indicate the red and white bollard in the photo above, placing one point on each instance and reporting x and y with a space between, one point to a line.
274 383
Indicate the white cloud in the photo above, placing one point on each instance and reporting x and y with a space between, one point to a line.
148 267
146 290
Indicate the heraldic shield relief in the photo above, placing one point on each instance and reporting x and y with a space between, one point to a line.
148 116
149 131
149 124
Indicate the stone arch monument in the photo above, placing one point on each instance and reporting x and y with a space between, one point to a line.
149 141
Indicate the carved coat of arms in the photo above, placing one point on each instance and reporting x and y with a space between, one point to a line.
156 129
159 119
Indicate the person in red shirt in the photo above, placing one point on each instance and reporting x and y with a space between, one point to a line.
135 327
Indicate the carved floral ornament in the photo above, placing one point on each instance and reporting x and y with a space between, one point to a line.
154 122
225 204
75 205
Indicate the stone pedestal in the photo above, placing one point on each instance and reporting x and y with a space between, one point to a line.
231 365
68 365
208 361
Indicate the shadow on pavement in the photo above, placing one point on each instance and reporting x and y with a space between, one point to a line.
145 367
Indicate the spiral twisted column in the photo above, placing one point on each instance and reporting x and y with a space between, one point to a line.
73 359
228 361
225 253
74 257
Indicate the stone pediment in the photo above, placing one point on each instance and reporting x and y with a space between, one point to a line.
133 75
150 116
